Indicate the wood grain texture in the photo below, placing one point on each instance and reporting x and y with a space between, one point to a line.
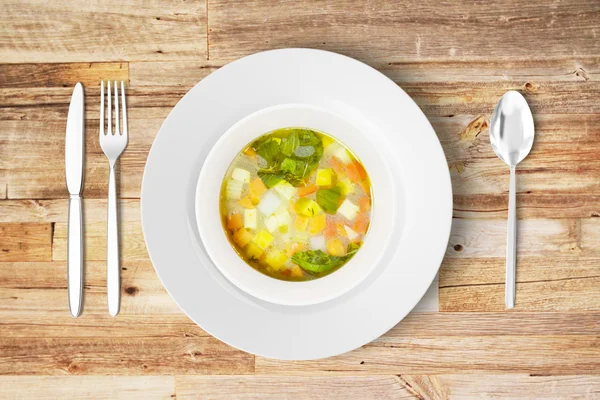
411 30
41 32
87 387
448 57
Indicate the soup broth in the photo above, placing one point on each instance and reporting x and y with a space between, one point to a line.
296 204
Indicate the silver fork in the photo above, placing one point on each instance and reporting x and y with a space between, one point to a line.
112 146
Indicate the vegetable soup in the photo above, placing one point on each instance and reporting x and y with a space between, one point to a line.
296 204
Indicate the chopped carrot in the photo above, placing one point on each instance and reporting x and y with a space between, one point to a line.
242 237
257 187
364 203
334 229
234 222
294 248
249 201
338 166
362 224
306 190
366 185
360 169
353 172
250 152
317 224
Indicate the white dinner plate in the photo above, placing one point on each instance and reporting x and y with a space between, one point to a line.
402 135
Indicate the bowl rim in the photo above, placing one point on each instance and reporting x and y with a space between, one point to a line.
290 293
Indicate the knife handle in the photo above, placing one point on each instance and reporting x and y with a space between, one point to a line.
113 280
75 255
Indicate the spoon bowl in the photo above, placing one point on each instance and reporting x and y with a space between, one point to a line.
511 136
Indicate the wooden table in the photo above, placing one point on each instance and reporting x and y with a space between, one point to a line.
454 59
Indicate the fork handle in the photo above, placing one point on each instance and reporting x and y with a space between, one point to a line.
113 280
75 255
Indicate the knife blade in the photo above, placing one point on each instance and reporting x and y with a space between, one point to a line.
74 150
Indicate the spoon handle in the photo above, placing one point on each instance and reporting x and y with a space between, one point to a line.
511 240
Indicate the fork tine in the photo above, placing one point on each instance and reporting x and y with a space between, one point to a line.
109 110
117 130
102 108
124 109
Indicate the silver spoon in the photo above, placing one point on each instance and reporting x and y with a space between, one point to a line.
511 135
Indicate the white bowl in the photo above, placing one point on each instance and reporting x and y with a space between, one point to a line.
228 261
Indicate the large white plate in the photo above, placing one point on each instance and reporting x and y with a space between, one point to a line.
363 96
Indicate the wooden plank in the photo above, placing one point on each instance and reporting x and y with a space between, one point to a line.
86 31
506 386
61 74
396 32
170 74
25 242
535 354
292 387
537 237
123 356
458 386
42 287
87 387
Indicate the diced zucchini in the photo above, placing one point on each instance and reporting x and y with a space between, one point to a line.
325 177
263 239
234 189
285 189
271 223
346 185
276 259
269 202
250 218
307 207
241 175
318 243
242 237
348 210
351 233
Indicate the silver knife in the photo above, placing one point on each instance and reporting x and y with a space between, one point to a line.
74 149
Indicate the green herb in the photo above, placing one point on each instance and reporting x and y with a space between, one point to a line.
270 178
293 158
319 262
329 199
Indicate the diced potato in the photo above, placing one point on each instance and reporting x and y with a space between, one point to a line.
351 233
253 251
275 259
335 247
257 187
241 175
301 223
342 154
317 224
348 210
325 177
285 190
271 223
263 239
296 272
242 237
318 243
234 189
269 203
250 219
284 218
307 207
